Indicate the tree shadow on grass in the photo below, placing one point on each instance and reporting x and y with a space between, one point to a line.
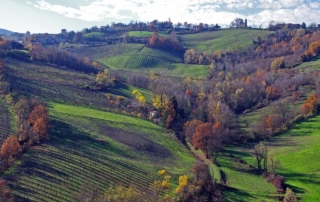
304 178
62 133
116 89
235 195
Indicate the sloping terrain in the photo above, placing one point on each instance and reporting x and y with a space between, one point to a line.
94 147
137 58
224 39
58 84
88 146
5 123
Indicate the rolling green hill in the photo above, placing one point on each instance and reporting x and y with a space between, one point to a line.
142 34
138 62
224 39
106 51
137 57
297 150
89 146
94 35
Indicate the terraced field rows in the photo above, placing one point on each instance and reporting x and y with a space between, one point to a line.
5 124
59 84
137 63
93 147
161 54
224 39
106 51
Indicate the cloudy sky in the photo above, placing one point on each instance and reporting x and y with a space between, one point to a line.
52 15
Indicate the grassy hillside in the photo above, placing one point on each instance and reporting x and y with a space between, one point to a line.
94 147
60 84
171 56
94 35
297 150
309 66
137 57
224 39
138 62
142 34
242 182
106 51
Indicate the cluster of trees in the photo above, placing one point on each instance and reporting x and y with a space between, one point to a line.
292 46
61 58
33 126
165 43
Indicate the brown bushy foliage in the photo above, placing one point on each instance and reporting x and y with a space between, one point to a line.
39 119
164 43
10 147
6 194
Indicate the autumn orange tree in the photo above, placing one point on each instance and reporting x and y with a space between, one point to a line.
39 120
209 138
10 148
189 128
310 105
169 113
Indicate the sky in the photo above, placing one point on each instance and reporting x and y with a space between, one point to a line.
50 16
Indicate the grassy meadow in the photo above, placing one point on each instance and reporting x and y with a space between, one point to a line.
297 150
89 146
94 35
224 39
143 34
310 66
138 63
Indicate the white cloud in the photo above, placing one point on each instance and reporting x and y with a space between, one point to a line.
299 14
193 11
315 5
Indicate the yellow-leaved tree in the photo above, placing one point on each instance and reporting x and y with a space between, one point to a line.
139 97
104 79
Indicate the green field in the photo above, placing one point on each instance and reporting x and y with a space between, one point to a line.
106 51
89 146
94 35
170 56
143 34
242 182
297 150
224 39
138 63
309 66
